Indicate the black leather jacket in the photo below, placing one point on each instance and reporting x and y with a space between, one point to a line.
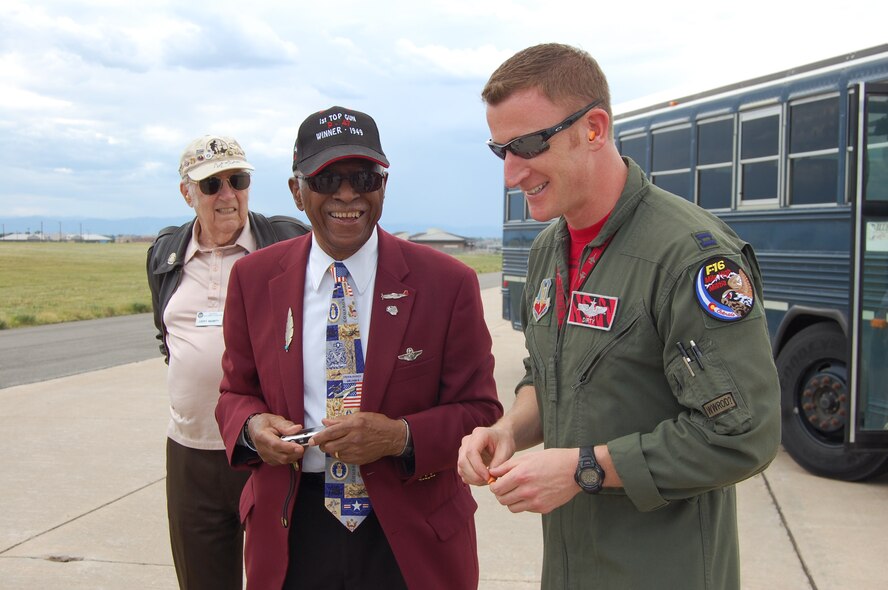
167 253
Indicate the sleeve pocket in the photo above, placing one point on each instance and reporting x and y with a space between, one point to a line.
711 394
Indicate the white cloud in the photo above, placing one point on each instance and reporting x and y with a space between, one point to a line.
170 136
462 63
20 99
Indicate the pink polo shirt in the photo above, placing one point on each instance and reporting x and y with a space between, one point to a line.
193 318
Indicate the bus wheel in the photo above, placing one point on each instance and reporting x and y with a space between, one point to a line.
814 405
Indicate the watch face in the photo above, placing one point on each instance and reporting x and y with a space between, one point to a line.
589 477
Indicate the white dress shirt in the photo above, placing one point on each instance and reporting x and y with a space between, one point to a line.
315 307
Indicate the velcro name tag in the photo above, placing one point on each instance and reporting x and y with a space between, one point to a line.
720 405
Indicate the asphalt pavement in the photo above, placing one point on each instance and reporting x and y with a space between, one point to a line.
46 352
84 507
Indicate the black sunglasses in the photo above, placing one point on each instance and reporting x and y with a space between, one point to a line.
213 184
362 181
533 144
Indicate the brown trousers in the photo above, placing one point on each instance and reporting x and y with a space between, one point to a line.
206 535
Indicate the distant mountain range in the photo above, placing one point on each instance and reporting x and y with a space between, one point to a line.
149 226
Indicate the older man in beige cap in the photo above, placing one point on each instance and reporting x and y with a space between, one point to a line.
188 269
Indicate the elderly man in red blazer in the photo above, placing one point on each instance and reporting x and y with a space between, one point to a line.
427 381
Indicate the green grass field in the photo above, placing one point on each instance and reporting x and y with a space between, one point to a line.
48 283
482 262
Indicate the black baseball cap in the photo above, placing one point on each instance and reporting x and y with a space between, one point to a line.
336 134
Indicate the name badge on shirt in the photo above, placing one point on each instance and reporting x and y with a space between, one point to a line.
208 318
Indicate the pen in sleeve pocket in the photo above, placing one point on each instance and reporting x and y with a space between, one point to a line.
685 357
697 354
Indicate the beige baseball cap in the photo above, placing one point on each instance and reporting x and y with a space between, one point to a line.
210 154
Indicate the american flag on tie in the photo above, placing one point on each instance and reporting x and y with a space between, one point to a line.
353 401
343 279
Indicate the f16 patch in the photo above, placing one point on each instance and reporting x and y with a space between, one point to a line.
592 311
724 290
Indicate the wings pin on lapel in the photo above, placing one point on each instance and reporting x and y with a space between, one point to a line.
410 355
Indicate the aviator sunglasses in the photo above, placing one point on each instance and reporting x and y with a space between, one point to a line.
213 184
362 181
533 144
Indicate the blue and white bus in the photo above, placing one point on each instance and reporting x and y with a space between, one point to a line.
797 163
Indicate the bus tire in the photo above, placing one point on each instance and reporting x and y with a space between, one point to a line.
815 398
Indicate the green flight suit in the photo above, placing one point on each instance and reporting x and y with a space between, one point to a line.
678 442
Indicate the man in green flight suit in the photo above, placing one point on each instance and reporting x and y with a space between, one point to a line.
649 378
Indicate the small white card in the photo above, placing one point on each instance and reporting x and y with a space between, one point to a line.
208 318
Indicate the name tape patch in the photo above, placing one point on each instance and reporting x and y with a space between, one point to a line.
720 405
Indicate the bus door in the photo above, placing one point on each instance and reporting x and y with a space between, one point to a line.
869 350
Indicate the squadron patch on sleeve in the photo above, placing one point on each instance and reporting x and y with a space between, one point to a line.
724 290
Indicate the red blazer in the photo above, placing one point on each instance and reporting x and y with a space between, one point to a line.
428 517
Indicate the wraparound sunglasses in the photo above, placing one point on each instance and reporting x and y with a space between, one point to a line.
533 144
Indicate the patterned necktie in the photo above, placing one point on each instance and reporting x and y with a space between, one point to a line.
344 493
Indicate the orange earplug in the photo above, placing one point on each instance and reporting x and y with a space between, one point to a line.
591 136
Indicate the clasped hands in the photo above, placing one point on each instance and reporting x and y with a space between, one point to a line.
359 438
538 481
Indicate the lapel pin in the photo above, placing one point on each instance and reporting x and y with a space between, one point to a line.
171 260
410 355
288 332
392 310
394 295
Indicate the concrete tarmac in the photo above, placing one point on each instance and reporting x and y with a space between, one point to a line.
83 496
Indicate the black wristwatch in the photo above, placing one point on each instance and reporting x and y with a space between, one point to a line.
589 475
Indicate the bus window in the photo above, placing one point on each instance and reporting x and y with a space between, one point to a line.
715 163
677 184
760 156
635 148
876 186
814 151
671 161
515 206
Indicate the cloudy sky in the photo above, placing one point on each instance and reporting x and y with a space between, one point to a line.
99 98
